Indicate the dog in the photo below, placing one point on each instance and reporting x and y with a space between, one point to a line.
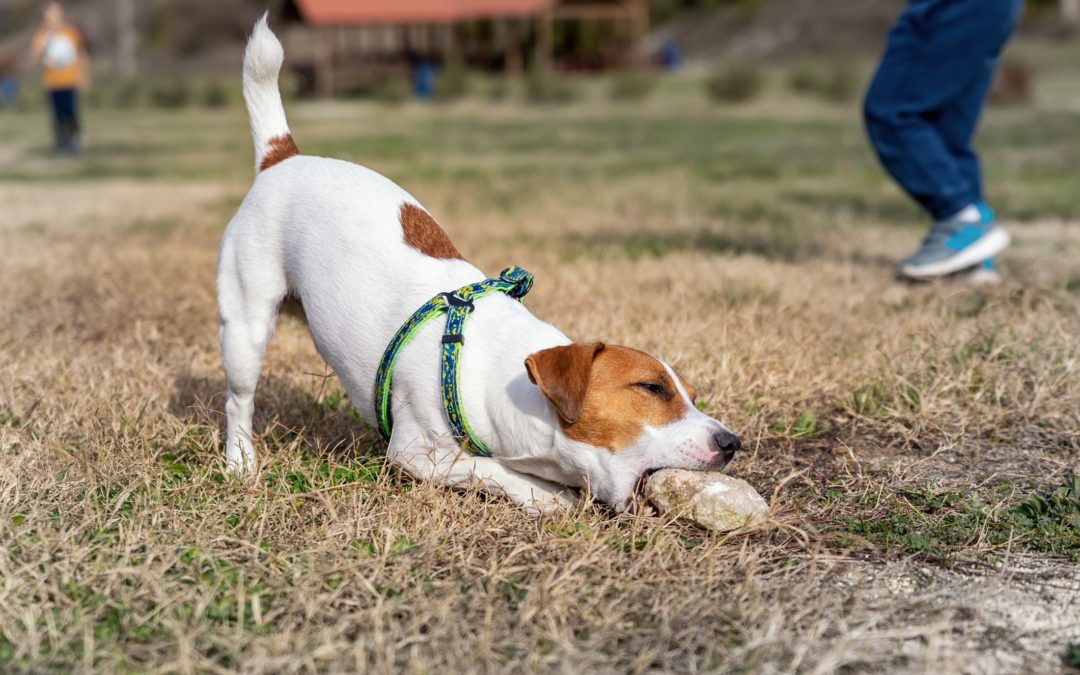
360 254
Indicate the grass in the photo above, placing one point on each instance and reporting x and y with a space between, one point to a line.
1072 656
916 441
940 525
735 84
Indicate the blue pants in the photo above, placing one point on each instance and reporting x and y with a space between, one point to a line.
924 102
65 108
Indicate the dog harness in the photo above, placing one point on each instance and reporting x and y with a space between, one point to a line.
514 282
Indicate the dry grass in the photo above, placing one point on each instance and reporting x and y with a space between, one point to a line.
753 251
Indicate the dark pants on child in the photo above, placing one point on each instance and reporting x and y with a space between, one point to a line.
65 108
925 100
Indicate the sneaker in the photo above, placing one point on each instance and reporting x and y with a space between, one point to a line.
983 274
966 240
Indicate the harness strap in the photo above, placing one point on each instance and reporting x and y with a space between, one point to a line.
514 282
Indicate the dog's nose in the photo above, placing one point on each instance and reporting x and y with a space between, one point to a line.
727 444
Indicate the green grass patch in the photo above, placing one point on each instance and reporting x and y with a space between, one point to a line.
735 85
1071 656
941 524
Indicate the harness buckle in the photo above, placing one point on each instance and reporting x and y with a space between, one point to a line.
453 300
520 281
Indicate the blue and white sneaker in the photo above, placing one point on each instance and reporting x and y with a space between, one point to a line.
966 240
984 273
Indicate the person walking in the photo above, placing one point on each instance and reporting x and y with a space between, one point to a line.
921 111
59 48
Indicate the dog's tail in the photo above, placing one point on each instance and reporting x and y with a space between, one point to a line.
269 129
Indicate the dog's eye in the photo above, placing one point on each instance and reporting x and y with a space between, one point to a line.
653 388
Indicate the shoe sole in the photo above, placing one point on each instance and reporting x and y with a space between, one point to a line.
982 277
987 246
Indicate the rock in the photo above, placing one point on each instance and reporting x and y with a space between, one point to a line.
712 500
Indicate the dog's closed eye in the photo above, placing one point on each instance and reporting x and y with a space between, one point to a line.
654 389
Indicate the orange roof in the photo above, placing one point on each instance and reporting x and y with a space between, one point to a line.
326 12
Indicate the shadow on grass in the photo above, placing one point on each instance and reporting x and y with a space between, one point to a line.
321 422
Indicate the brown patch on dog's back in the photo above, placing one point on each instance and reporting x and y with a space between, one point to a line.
278 150
612 408
424 234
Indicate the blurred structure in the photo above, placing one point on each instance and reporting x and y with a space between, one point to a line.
1070 13
365 43
336 45
126 38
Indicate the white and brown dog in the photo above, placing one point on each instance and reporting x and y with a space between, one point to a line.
361 255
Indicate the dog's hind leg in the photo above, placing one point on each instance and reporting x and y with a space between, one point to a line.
248 301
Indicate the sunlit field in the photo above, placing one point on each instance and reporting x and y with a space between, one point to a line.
915 441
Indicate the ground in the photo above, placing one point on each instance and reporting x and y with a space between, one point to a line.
910 438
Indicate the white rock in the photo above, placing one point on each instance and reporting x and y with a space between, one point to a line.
712 500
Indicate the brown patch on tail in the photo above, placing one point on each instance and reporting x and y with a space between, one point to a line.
424 234
278 149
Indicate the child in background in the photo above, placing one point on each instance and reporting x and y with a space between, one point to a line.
58 46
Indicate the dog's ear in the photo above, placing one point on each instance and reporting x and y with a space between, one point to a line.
562 374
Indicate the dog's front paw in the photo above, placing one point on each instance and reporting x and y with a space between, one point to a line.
552 503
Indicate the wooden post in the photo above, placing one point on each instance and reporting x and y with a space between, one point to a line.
544 47
641 26
499 39
324 59
513 47
452 54
126 38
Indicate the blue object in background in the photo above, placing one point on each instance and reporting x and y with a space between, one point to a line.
671 55
9 92
924 103
424 80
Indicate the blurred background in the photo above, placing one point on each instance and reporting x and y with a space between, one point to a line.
178 53
692 178
745 111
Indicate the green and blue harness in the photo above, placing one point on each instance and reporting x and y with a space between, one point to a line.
457 305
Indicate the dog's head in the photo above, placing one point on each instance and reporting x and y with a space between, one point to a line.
632 411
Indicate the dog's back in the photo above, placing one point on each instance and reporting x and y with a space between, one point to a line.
321 213
357 251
